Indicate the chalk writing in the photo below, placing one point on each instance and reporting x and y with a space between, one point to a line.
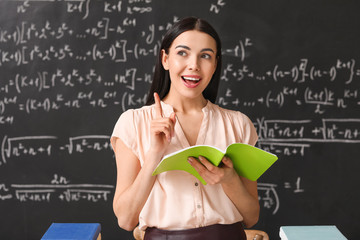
59 180
284 149
61 191
26 146
25 45
269 197
217 6
84 59
34 195
82 143
331 130
35 146
4 192
279 136
71 195
295 186
98 192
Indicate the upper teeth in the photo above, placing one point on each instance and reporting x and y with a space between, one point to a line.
191 79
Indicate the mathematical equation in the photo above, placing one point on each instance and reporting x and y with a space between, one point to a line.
331 130
289 86
293 137
282 137
269 198
114 50
82 7
107 94
116 37
46 146
61 191
120 6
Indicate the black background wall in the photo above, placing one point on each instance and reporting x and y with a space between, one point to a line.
68 69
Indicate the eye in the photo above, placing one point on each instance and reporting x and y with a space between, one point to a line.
206 56
182 53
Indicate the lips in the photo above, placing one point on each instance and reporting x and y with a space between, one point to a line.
191 81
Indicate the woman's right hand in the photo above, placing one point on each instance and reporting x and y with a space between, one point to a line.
161 129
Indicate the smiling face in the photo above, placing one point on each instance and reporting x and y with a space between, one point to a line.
191 61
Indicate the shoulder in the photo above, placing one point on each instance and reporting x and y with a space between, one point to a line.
133 119
132 124
137 114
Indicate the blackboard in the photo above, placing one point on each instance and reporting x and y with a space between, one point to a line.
68 69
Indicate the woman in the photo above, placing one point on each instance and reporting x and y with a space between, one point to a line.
180 112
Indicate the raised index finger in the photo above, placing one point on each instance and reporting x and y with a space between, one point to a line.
158 108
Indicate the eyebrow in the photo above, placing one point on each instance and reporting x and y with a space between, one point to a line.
202 50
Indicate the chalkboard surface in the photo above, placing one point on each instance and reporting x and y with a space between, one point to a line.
68 69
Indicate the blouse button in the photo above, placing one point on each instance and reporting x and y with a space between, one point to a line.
196 184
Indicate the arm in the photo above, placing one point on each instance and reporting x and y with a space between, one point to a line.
134 183
241 191
245 198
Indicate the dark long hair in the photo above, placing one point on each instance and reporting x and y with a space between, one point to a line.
161 79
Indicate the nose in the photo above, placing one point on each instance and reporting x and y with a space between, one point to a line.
193 63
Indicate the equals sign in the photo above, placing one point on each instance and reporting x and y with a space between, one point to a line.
5 89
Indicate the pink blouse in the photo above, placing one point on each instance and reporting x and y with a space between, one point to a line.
178 200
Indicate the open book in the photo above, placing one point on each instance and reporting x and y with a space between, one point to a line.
250 162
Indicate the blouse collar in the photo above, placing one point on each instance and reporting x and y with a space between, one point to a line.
168 109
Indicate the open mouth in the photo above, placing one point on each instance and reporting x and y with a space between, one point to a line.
191 81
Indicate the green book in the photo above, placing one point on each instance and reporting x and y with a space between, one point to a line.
249 161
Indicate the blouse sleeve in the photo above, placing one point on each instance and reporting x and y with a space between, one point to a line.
125 129
249 131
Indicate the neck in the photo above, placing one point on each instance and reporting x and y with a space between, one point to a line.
186 105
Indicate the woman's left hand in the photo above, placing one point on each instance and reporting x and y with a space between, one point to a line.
212 174
241 191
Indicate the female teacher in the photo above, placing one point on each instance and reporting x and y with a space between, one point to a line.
181 112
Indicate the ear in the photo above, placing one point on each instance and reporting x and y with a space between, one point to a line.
164 59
